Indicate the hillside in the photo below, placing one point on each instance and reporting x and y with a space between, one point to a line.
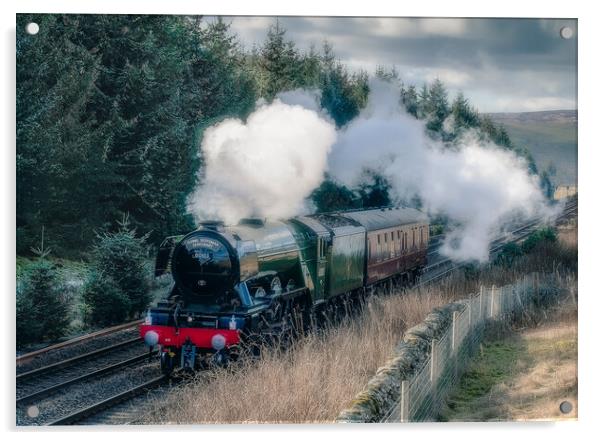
550 136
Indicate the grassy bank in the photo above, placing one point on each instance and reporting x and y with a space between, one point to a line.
523 375
318 377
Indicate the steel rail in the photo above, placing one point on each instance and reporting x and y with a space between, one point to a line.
91 410
96 373
24 358
567 211
76 359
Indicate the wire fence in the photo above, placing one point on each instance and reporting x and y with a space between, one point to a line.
423 394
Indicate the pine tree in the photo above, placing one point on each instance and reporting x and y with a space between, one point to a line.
387 74
374 189
409 98
423 102
437 106
332 196
122 257
343 95
281 61
310 62
59 165
104 302
465 117
42 309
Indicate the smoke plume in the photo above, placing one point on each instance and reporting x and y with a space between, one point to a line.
268 166
265 167
476 184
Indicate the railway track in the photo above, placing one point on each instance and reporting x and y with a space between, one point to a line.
59 381
117 409
445 266
60 371
126 405
26 358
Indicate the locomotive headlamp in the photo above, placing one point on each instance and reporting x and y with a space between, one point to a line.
218 342
151 338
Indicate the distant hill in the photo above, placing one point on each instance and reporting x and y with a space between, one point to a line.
550 136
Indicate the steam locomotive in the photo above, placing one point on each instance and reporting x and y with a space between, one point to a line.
264 278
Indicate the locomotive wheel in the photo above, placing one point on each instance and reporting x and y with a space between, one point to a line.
167 363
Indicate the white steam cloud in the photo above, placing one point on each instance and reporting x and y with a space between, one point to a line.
268 166
476 184
265 167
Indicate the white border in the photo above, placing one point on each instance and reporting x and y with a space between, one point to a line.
589 184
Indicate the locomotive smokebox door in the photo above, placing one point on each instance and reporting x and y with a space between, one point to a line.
188 356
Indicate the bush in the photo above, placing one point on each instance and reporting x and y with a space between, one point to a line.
104 301
437 229
122 256
543 235
42 308
508 254
29 329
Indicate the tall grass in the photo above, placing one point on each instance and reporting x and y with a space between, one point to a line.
314 379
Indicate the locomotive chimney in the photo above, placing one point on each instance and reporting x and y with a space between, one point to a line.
213 225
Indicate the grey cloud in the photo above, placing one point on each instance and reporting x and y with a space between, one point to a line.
507 60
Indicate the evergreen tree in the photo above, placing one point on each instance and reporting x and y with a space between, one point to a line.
122 256
437 106
29 328
332 196
310 69
465 116
387 74
42 309
281 61
374 189
118 103
105 303
423 102
59 166
409 98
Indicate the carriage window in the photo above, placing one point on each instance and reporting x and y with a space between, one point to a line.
414 237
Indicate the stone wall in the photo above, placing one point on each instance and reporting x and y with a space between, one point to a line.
382 391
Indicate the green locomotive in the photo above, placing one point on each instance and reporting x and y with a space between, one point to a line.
266 277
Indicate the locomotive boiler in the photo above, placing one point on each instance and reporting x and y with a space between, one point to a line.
259 279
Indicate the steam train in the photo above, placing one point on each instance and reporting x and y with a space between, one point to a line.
262 278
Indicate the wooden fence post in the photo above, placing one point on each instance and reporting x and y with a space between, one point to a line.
454 330
405 401
491 301
434 360
470 301
481 293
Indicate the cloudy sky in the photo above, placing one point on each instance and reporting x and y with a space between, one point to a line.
500 64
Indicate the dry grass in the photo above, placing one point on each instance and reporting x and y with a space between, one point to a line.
568 235
317 377
313 380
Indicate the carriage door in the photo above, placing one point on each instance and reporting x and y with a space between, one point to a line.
321 266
